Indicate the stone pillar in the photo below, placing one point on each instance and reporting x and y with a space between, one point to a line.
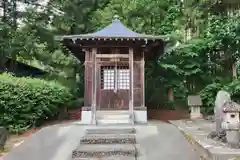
195 112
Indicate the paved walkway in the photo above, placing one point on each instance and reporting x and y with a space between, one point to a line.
163 141
156 141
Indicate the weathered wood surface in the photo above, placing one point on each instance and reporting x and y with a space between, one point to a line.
104 98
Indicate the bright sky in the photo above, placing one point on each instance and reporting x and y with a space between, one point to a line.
21 6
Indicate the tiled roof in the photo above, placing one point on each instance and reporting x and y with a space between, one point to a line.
116 30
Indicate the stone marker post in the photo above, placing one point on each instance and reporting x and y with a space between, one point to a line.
195 101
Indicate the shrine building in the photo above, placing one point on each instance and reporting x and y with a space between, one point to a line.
114 59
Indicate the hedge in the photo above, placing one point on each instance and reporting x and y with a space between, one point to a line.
27 102
209 93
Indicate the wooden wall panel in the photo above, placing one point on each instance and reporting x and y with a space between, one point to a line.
137 97
138 54
107 100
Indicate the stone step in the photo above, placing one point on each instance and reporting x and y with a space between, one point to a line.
99 113
108 158
104 150
111 130
113 121
109 139
111 117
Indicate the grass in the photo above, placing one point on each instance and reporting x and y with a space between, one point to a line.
189 138
4 151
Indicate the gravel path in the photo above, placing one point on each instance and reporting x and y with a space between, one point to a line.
156 141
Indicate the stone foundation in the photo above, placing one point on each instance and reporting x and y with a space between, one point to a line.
86 117
140 115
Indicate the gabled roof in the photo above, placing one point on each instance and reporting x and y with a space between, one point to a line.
115 30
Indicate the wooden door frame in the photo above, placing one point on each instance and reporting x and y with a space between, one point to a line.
101 64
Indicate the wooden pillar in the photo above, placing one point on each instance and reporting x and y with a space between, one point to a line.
143 79
87 80
94 85
131 94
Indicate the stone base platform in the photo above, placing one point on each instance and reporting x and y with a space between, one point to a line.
197 131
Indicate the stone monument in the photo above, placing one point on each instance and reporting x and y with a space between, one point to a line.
222 98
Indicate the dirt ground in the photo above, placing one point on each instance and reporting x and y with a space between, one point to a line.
13 141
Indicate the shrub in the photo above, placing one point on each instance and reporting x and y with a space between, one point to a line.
75 104
234 89
27 102
208 95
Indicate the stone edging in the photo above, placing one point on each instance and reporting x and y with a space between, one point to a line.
207 150
14 146
202 152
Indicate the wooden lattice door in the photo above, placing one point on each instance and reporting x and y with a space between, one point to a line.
113 86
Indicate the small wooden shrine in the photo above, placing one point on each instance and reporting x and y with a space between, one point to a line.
114 69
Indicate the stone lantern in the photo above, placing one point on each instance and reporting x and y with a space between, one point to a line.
195 101
231 123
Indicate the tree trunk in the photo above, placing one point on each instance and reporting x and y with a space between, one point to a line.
234 70
170 94
2 64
